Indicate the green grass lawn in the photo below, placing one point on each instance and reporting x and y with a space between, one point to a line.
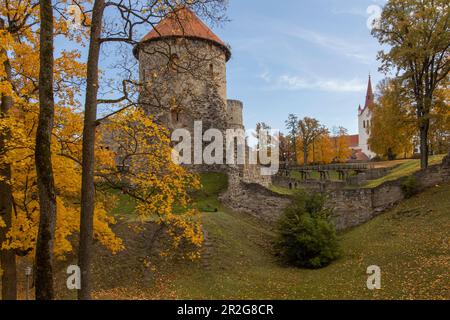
402 170
282 190
205 199
125 205
213 184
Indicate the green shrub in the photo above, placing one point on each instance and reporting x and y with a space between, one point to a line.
409 186
306 236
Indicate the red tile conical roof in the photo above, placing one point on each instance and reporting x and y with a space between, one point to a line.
185 23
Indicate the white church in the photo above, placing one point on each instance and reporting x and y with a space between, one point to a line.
359 143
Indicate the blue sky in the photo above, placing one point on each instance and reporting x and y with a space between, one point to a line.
311 58
307 57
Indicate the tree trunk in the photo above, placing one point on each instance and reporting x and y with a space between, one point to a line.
7 257
45 181
305 155
295 151
424 128
87 188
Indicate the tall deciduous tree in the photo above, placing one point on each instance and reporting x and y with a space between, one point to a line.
340 148
132 14
7 257
43 155
292 127
440 121
309 130
19 87
90 119
393 124
418 36
286 153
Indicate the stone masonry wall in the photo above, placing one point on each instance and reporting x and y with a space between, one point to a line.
312 185
185 81
356 206
252 175
253 198
352 207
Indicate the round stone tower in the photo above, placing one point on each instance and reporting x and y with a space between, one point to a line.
182 65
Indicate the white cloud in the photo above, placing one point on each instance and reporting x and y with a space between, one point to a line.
351 11
266 76
338 45
288 82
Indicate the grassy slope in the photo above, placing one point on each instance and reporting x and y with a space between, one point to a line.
403 170
410 244
212 185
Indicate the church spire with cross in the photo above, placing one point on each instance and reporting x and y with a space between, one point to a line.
365 122
369 95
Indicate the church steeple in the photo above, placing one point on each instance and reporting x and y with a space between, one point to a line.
369 95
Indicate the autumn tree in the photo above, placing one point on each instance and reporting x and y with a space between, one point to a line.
16 20
7 257
309 130
440 121
339 143
322 149
44 169
144 171
20 233
417 35
393 124
292 127
286 154
131 14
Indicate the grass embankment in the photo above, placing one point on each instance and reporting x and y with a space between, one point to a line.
410 243
402 170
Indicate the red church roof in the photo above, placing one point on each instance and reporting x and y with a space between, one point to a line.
353 141
185 23
361 156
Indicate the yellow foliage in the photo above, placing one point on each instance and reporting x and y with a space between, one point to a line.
66 148
160 186
393 123
21 50
324 150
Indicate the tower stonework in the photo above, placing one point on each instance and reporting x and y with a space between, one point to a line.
235 114
182 65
